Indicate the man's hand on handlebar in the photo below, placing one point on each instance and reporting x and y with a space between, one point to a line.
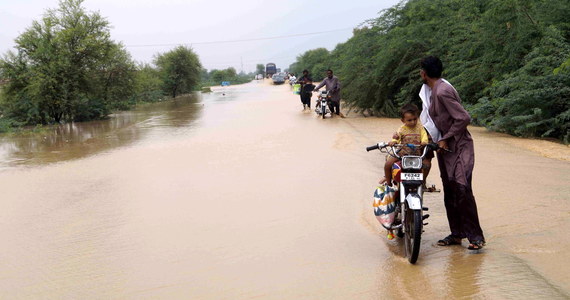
392 143
443 146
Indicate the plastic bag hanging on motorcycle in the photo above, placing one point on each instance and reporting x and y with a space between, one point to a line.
296 89
385 205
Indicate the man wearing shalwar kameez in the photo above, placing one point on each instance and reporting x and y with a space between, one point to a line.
456 167
332 85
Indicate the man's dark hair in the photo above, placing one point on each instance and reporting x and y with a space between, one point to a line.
305 71
432 66
409 108
330 70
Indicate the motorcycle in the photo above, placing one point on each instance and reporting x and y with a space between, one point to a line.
406 213
323 104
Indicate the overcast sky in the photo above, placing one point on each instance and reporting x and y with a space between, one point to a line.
196 22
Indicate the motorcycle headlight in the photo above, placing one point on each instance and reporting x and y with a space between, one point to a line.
412 162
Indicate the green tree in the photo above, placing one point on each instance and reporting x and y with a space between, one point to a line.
316 61
260 69
148 85
204 75
116 80
180 70
228 74
66 68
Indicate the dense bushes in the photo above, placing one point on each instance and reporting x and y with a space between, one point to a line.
534 100
508 59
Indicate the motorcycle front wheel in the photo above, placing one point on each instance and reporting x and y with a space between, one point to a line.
413 234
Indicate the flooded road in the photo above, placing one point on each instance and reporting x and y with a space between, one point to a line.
78 140
238 194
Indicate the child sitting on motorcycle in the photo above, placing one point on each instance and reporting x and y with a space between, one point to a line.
411 132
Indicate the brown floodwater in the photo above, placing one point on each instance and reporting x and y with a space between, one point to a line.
77 140
238 194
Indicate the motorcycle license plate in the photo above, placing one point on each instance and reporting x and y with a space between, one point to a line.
412 176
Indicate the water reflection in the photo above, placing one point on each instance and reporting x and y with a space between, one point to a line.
462 274
455 273
494 275
77 140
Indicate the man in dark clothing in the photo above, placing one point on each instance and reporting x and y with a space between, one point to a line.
456 167
306 89
333 87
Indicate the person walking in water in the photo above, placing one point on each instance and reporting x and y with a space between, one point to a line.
456 167
307 87
332 85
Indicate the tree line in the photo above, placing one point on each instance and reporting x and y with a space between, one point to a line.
215 77
508 59
66 68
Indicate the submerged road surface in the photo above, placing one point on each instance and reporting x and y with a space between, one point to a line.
238 194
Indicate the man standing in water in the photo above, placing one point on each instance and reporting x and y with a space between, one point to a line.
456 167
333 87
306 89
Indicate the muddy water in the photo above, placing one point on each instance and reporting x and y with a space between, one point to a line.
238 195
77 140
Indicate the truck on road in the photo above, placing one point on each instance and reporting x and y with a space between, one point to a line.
270 69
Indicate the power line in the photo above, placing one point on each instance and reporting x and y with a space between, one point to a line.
242 40
249 61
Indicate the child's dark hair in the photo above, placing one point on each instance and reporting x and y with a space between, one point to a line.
409 108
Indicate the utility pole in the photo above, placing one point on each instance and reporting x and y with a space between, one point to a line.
241 58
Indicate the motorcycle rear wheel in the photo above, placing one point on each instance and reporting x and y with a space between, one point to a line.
413 234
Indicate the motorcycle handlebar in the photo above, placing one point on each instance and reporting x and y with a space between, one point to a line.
431 146
368 149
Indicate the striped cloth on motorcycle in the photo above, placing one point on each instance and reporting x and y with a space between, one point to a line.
384 205
396 170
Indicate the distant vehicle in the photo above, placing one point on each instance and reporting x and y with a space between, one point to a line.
278 78
270 69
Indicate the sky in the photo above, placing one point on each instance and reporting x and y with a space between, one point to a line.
278 31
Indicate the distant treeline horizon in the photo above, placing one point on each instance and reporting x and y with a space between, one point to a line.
508 59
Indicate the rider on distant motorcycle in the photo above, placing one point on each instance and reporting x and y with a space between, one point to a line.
333 87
